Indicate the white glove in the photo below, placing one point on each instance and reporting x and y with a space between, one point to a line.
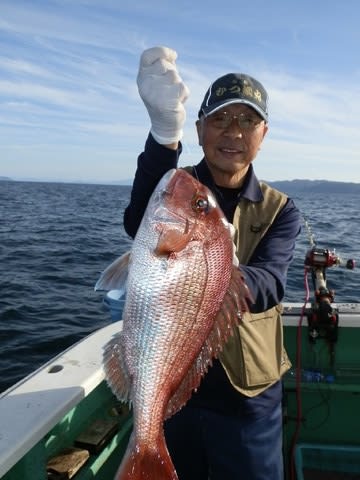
163 93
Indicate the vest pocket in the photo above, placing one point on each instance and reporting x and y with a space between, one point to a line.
255 357
262 348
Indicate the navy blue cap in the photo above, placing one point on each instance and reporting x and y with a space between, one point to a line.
235 88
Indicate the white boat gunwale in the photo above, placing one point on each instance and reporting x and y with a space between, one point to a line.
33 406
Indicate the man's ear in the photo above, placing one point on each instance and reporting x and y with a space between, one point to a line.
199 128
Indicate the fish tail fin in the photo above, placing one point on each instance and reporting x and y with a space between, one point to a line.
147 462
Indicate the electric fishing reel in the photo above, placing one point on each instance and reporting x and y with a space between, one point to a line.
323 318
322 257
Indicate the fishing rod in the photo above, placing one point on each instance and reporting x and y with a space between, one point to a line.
323 321
323 318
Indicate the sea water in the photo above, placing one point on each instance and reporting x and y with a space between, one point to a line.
56 239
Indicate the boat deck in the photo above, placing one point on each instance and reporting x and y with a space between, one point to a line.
33 407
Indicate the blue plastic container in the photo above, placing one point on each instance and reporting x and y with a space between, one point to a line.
335 459
114 301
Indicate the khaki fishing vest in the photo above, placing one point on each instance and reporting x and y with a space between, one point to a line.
254 358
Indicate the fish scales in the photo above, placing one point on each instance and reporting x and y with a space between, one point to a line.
183 298
155 359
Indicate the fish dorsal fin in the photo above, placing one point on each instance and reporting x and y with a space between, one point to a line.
227 318
116 372
114 277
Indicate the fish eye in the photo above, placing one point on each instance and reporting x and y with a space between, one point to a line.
200 204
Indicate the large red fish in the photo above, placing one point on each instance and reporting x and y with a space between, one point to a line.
183 298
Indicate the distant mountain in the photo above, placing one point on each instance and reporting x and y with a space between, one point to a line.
315 186
291 187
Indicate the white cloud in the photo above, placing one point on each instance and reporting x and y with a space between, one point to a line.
68 80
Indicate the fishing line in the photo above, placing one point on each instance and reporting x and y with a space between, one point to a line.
309 232
298 368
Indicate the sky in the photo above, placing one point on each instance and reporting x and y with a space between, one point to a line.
70 108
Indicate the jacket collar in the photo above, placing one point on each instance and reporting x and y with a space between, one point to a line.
250 189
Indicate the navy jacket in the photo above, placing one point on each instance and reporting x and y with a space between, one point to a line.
265 273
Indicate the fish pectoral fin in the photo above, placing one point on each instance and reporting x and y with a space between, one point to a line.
114 277
236 302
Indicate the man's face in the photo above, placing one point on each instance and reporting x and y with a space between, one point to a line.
231 144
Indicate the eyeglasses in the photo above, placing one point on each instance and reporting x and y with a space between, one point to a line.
223 120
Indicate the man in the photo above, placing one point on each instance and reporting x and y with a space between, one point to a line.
232 426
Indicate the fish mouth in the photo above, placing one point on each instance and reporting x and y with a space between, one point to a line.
161 213
165 180
164 216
